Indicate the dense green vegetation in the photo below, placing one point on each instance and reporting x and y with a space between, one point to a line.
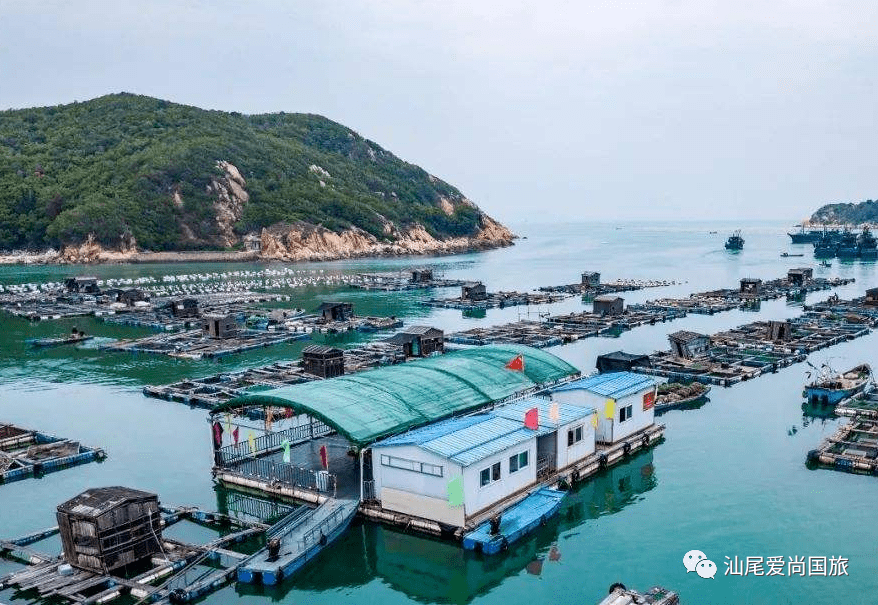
111 166
862 212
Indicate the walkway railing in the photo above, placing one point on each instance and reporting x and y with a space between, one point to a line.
231 454
314 534
545 464
286 474
369 491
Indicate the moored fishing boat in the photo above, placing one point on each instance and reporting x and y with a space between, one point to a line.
72 338
829 388
735 241
673 395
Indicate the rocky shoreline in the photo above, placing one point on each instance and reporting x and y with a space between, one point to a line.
300 242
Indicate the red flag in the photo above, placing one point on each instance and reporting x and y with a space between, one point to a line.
235 435
648 400
218 434
516 364
324 457
531 419
289 412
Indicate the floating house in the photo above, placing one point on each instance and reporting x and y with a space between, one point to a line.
607 304
750 286
104 529
185 307
336 311
689 345
421 276
419 341
82 285
487 458
619 361
871 297
475 291
323 361
800 277
780 331
219 326
625 402
133 296
591 279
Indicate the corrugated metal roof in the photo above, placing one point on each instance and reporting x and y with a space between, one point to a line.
367 406
470 439
611 384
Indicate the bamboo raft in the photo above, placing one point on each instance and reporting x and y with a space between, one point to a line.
25 453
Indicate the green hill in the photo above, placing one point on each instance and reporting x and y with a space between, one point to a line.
838 214
123 166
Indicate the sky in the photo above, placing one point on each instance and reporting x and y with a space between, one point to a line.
537 111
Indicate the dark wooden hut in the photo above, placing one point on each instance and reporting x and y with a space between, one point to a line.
336 311
323 361
419 341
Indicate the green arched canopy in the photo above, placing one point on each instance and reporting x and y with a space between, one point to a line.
369 405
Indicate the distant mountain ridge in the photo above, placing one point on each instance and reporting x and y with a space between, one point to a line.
841 214
130 173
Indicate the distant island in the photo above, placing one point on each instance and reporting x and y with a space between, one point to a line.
846 214
132 178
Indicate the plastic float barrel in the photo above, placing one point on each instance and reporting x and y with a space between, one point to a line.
626 449
615 586
602 461
644 442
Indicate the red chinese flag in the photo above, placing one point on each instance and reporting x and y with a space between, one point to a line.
531 419
235 435
324 457
648 400
516 364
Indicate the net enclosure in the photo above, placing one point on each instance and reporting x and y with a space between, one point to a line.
369 405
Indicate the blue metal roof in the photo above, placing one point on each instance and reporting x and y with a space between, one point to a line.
611 384
469 439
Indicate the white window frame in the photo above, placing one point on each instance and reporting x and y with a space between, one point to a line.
405 464
629 412
576 429
518 464
490 470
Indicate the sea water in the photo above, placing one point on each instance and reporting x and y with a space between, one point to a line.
729 479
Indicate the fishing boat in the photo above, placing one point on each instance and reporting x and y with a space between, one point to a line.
735 241
848 246
830 387
72 338
673 395
867 245
825 263
787 255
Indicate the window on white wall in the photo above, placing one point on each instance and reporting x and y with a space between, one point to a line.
625 413
574 436
411 465
518 461
490 474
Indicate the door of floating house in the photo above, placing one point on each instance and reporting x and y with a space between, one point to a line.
547 446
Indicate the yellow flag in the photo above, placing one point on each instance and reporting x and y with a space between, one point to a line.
229 424
252 441
610 409
554 415
594 421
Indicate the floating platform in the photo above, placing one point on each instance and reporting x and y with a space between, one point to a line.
613 287
398 282
515 522
497 300
853 448
25 453
300 539
864 405
194 345
674 395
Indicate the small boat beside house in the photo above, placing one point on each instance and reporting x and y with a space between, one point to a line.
830 388
673 395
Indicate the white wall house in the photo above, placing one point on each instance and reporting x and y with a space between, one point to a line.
625 402
491 456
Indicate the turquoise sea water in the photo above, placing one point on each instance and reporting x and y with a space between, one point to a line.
729 479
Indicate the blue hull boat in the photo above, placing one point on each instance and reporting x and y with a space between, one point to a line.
515 522
831 390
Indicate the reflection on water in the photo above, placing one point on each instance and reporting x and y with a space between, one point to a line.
438 571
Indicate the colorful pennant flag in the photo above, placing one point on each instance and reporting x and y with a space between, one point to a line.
610 409
648 400
269 418
235 435
554 414
288 413
455 491
251 440
532 419
516 364
286 445
324 457
217 435
229 423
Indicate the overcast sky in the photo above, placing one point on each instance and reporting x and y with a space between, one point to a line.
591 110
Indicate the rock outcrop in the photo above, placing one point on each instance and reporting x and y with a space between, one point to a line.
231 195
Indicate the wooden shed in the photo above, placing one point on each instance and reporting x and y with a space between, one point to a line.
800 277
336 311
619 361
185 307
419 341
219 326
82 285
780 331
871 297
689 345
106 528
750 286
591 279
608 305
133 295
474 291
323 361
422 276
